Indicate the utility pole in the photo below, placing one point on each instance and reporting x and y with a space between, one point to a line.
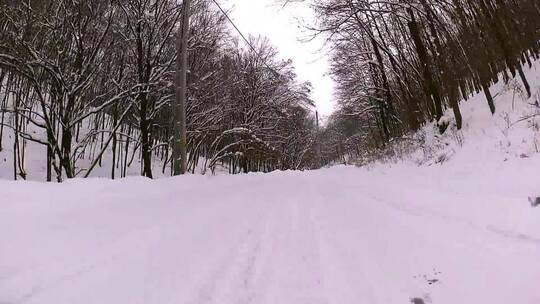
318 138
180 134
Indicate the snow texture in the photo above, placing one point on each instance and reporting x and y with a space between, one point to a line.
339 235
456 231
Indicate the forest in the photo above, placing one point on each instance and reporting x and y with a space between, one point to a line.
82 78
401 64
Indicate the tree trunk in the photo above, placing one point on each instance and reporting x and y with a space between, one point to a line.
432 90
489 98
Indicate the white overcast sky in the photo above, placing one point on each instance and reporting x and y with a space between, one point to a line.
283 29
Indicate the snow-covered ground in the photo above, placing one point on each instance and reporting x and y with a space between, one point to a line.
35 164
339 235
512 132
456 229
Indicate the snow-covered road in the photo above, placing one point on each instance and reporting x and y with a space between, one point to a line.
340 235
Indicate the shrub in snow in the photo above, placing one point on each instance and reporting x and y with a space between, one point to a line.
535 201
417 301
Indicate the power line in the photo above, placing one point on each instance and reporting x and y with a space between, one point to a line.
244 37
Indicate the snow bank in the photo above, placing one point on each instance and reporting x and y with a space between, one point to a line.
512 132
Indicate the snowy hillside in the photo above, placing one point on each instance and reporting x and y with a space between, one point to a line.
514 130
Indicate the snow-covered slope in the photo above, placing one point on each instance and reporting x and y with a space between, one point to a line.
513 131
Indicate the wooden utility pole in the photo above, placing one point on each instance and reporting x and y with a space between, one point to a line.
318 138
180 134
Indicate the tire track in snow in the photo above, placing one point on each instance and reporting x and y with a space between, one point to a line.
52 278
278 262
154 236
405 242
346 280
298 276
424 212
227 272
